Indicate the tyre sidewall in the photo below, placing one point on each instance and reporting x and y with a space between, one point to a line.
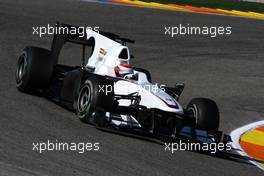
38 70
22 83
84 115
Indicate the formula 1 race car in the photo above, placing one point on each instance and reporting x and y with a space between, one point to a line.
110 93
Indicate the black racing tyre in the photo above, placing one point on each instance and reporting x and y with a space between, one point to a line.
95 97
144 71
205 112
34 69
98 117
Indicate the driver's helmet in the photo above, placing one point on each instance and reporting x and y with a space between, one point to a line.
125 71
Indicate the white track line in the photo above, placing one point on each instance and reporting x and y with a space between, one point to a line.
235 135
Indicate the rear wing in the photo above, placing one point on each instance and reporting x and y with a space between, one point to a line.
64 36
59 39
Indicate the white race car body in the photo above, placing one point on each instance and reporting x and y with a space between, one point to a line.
111 94
107 54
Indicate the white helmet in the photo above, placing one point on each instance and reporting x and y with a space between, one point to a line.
125 71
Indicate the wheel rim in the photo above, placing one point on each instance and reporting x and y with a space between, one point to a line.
21 67
192 112
84 100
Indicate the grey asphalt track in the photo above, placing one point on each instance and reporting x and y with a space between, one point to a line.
228 69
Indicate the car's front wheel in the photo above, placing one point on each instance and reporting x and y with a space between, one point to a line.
94 100
84 109
205 112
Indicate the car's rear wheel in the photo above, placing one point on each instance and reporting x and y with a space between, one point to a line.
34 69
205 112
